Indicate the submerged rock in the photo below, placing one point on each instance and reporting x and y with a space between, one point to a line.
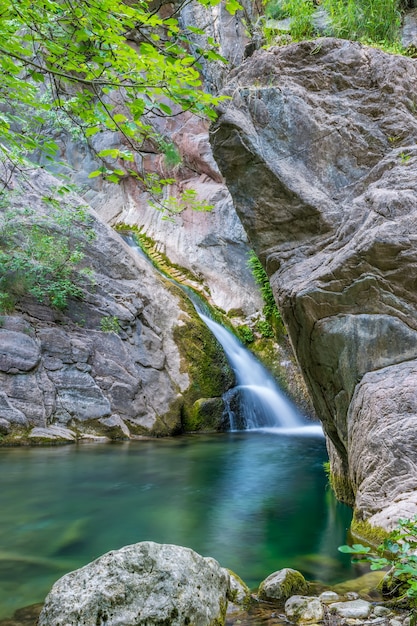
318 145
142 584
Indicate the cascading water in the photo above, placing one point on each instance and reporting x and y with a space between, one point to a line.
261 404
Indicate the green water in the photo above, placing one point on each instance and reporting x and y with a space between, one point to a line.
255 502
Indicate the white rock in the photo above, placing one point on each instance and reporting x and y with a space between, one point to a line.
356 609
141 584
329 596
304 609
53 433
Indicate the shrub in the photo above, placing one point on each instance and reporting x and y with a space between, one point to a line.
245 334
398 553
41 254
270 309
110 324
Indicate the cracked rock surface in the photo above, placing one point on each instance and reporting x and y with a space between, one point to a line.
318 146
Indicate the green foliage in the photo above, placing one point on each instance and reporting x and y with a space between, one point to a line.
374 22
397 552
370 21
264 328
41 255
103 65
245 334
301 13
270 309
110 324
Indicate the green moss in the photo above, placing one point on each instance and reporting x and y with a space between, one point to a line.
363 532
239 592
205 414
205 363
159 259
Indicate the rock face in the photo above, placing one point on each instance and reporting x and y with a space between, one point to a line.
143 584
212 246
64 377
318 148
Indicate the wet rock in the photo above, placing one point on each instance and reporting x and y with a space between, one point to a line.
143 584
304 609
116 427
354 609
327 597
52 433
282 584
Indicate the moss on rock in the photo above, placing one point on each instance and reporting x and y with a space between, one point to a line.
207 367
205 414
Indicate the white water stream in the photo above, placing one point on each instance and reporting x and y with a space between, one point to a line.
262 404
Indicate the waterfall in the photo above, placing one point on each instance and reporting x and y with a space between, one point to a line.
261 404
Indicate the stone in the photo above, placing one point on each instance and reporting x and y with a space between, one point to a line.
282 584
381 611
52 433
4 426
354 609
142 584
116 427
8 413
328 597
304 609
18 352
239 592
333 216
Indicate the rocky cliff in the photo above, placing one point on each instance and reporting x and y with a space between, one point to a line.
63 377
212 245
318 148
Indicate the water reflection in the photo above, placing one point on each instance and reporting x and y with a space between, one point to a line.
254 501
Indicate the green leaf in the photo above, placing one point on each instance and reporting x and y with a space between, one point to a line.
95 174
357 548
109 152
119 117
165 108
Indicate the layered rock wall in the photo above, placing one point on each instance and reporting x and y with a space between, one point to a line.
63 377
318 149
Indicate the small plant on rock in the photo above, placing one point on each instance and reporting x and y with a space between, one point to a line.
398 552
110 324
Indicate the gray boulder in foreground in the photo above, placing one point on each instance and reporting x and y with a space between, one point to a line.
144 583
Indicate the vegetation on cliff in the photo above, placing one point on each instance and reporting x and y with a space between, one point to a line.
41 254
377 22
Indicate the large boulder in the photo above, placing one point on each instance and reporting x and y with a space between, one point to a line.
318 146
142 584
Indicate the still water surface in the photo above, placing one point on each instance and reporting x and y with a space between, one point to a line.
256 502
